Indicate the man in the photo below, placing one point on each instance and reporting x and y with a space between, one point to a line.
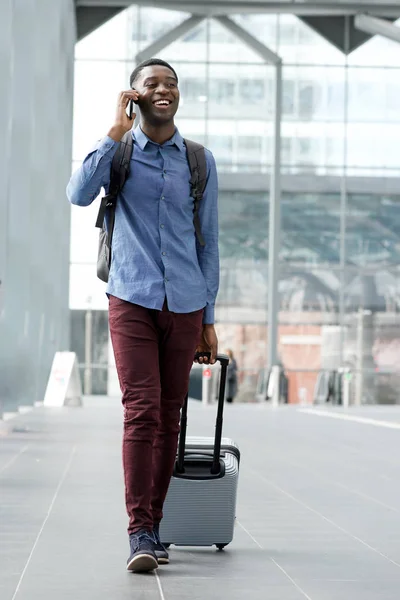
162 289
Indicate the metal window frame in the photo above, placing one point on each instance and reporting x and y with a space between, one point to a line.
375 26
169 38
211 8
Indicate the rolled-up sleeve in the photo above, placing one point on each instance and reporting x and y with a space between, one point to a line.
208 255
94 173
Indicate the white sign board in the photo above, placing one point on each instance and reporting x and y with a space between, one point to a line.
64 386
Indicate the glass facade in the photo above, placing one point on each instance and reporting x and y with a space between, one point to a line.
339 285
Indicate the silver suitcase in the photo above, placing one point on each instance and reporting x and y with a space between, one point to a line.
200 507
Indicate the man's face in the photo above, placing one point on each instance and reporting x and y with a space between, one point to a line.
158 94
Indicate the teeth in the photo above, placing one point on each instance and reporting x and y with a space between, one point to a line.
164 102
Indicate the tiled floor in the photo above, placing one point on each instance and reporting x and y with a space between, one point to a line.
318 511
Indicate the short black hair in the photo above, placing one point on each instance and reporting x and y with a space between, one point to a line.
150 63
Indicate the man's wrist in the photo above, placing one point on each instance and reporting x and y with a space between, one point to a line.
117 132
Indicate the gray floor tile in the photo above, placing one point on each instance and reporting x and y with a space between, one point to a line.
318 514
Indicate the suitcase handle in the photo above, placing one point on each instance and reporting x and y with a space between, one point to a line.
220 357
180 465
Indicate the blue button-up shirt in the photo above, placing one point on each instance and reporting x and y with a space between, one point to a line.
155 253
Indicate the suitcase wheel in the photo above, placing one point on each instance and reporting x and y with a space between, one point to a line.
221 546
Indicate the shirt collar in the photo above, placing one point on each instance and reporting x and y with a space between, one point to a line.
142 140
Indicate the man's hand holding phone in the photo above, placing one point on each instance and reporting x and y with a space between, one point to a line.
124 120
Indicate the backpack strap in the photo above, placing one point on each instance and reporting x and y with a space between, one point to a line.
198 168
119 173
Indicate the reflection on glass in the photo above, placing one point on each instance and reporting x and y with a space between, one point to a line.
250 150
148 24
222 148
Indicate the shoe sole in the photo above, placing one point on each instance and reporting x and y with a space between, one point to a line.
163 561
143 563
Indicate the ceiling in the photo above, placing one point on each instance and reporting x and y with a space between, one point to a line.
333 20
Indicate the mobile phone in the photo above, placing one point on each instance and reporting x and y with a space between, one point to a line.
130 110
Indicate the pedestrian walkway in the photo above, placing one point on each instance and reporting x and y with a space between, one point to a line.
318 509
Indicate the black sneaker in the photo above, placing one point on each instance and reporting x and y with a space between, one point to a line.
160 551
143 557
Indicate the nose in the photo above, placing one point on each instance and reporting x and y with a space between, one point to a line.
162 88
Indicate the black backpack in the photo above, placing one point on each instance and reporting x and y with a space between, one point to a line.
119 174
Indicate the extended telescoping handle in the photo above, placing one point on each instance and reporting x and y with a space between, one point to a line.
224 361
180 466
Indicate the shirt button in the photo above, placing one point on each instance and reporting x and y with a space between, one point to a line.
166 280
162 197
165 172
161 226
164 254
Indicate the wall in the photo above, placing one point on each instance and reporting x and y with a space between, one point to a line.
37 40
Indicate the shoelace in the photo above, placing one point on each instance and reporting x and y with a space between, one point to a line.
135 542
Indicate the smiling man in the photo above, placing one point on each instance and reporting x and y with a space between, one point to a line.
162 289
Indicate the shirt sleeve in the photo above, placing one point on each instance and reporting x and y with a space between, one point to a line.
94 173
208 255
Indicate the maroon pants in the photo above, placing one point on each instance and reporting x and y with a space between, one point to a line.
154 353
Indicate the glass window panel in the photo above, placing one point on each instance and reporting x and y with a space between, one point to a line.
263 26
334 151
309 295
310 228
250 143
86 288
309 96
372 230
372 302
373 145
252 91
222 91
307 151
335 96
240 92
313 104
286 150
367 94
193 129
197 35
377 51
314 93
149 24
224 101
109 41
373 94
84 235
191 48
308 306
392 94
300 44
250 150
243 220
227 48
193 89
222 148
288 97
